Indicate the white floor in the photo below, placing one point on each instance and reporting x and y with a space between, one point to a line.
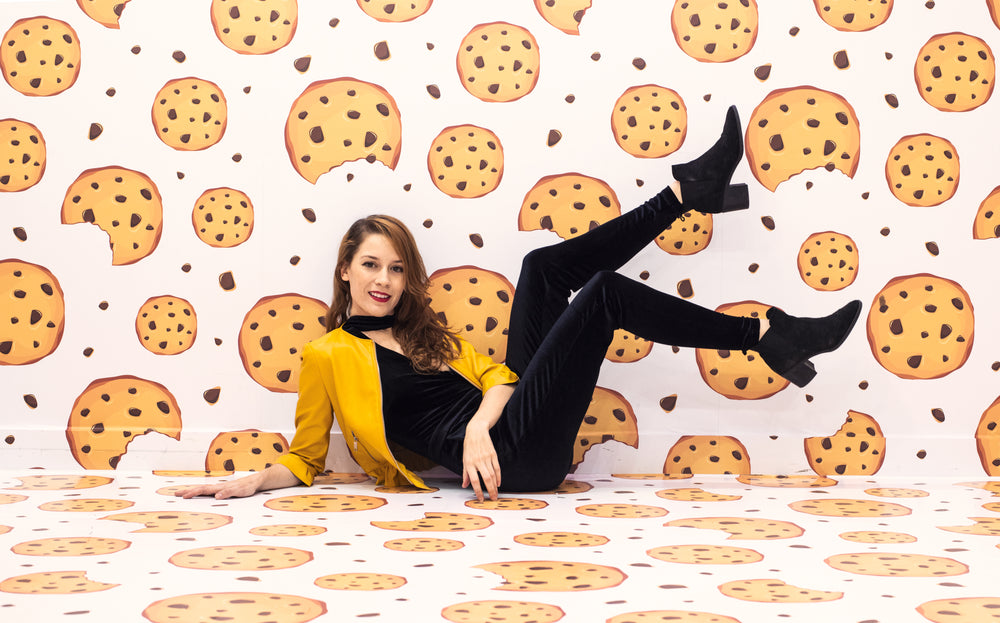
603 548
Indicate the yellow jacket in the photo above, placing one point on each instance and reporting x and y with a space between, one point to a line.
340 376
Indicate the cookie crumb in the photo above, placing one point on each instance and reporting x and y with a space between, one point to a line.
863 385
932 248
707 97
96 130
31 401
596 56
87 352
211 396
237 157
922 454
644 275
428 223
753 267
763 72
938 414
9 439
685 289
639 183
334 22
246 89
794 30
554 137
865 195
884 231
179 56
407 187
294 260
809 185
226 281
768 222
301 64
570 98
180 175
888 56
136 49
639 63
382 51
430 46
809 398
892 100
477 240
350 177
186 268
309 214
218 342
103 305
668 403
840 60
996 366
434 91
20 234
110 92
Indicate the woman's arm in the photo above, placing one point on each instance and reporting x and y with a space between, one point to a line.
479 458
274 477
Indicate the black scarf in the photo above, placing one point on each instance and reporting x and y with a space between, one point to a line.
356 324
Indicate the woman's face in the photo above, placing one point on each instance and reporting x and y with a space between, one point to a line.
376 277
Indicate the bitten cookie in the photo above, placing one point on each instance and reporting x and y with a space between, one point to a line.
245 451
834 507
609 417
962 609
987 222
877 537
272 336
125 204
22 155
35 313
166 325
475 302
243 607
171 522
627 347
561 539
543 575
736 375
498 62
828 261
241 558
695 495
190 114
715 32
502 611
770 591
955 72
53 583
687 236
742 528
649 121
565 15
802 128
854 15
922 170
104 12
85 505
255 26
341 120
988 439
687 616
360 581
857 449
40 56
703 454
921 326
890 565
393 10
223 217
507 504
71 546
111 412
423 545
60 483
569 204
466 161
621 511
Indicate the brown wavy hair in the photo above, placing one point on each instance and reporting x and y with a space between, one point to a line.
425 339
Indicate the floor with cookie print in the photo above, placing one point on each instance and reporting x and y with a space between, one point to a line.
109 546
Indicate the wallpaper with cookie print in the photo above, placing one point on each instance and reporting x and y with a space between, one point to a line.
175 179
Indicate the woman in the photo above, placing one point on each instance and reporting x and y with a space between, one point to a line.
390 372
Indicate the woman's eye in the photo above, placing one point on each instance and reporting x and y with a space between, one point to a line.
397 269
368 264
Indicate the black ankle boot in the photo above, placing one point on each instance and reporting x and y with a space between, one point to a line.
789 342
705 180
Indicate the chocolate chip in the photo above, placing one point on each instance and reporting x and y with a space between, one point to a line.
763 72
226 281
554 137
434 91
211 396
95 130
840 60
302 64
382 51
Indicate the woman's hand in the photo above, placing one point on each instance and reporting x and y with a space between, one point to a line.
479 460
276 476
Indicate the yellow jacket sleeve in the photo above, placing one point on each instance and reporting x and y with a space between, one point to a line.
480 369
306 457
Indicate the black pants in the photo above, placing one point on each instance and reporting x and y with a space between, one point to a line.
557 346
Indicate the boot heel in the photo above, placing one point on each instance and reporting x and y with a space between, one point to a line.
710 197
737 197
800 374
